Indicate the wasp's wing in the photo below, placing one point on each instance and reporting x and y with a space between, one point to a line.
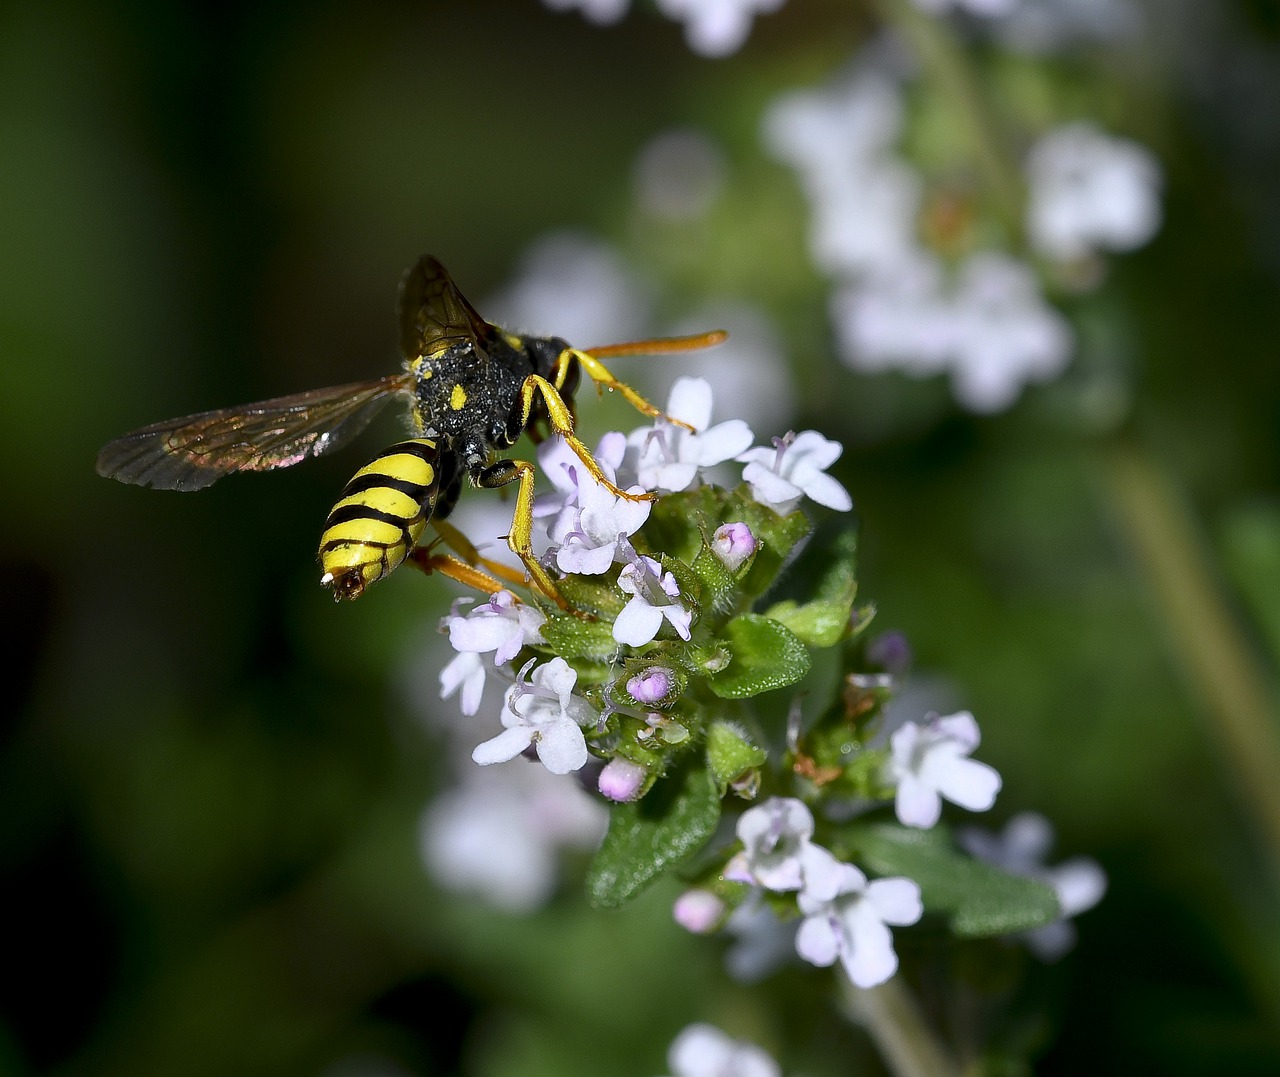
196 451
434 315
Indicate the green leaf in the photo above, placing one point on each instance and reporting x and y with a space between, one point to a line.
824 619
764 655
575 637
730 754
980 900
653 835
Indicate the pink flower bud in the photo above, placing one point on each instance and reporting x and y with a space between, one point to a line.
733 544
698 911
622 780
651 685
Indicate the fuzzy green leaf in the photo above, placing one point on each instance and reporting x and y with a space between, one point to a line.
575 637
980 900
730 754
653 835
764 655
824 619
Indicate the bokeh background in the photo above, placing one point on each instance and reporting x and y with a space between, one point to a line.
214 779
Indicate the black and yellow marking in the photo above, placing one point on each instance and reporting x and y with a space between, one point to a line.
380 516
473 390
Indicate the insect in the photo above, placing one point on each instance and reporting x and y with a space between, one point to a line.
472 388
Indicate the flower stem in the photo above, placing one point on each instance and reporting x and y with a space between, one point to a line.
1208 643
894 1022
945 62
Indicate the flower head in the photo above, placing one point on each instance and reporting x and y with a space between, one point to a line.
852 924
716 27
654 596
777 851
669 457
545 714
930 761
795 467
503 625
594 535
704 1051
1021 848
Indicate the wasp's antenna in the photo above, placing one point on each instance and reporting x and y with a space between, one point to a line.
661 345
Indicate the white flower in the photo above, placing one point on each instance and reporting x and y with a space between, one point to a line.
716 27
669 457
545 714
568 474
777 851
1021 848
852 924
653 599
1090 191
678 176
930 760
898 318
600 12
1005 332
704 1051
466 671
502 625
793 468
499 835
594 535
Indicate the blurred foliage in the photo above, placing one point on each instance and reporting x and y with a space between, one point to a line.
211 782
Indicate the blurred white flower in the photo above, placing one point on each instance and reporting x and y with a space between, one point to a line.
1006 334
678 175
600 12
1091 191
991 327
930 761
704 1051
499 834
1041 26
762 942
987 8
716 27
1021 848
852 925
777 852
572 286
864 199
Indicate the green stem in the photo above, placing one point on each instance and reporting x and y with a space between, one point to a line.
901 1034
945 62
1208 643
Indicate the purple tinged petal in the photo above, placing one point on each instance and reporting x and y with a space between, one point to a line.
916 803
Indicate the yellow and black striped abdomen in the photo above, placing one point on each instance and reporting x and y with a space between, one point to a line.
380 517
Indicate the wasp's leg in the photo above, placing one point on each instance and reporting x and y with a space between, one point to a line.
604 379
465 549
561 420
447 565
520 538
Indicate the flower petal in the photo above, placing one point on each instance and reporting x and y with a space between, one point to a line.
916 803
506 745
561 747
638 623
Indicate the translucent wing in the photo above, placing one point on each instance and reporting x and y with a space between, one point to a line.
434 315
197 450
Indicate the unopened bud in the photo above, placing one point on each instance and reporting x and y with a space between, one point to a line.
652 685
698 911
622 780
733 544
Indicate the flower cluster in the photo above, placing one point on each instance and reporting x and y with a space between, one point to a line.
914 287
667 671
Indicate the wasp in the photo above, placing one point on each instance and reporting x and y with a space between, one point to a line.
472 388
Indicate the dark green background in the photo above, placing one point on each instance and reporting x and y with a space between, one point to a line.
211 780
